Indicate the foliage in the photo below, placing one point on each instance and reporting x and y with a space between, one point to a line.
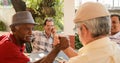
42 9
2 26
78 44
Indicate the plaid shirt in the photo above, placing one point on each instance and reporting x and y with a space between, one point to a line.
41 42
116 38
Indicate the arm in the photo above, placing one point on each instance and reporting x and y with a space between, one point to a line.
50 57
70 52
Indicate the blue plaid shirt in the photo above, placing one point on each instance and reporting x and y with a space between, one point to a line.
41 42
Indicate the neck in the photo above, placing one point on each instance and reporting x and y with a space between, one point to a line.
93 39
18 42
47 34
114 33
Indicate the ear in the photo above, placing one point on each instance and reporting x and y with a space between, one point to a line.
13 29
84 30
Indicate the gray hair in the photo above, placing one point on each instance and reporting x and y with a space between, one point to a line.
98 26
13 27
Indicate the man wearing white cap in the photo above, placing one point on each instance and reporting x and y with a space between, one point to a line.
94 25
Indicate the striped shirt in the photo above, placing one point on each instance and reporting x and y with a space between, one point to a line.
116 38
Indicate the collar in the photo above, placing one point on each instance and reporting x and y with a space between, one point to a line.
96 44
13 40
117 35
51 35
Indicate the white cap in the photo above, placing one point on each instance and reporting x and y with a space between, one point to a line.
90 10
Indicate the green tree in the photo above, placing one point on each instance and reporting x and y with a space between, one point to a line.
78 44
42 9
2 26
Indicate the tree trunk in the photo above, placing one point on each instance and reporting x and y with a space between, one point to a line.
18 5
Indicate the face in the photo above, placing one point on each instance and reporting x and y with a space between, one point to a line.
84 34
48 27
115 25
78 27
81 34
23 32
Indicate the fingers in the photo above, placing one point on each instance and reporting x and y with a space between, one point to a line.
54 30
56 40
55 37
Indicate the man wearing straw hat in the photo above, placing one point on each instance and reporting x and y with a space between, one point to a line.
12 45
94 25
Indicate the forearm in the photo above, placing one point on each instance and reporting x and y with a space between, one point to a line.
70 52
50 57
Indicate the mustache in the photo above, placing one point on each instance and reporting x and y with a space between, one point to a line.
31 37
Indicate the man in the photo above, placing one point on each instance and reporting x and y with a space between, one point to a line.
115 29
94 25
12 45
43 40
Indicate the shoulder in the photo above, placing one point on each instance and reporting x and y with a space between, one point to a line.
37 33
3 39
6 43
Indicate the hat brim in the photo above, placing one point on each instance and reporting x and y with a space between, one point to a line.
23 23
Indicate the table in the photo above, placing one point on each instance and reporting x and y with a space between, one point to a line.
36 56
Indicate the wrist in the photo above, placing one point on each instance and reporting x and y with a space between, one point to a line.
67 48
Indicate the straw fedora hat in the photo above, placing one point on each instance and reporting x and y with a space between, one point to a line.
90 10
22 17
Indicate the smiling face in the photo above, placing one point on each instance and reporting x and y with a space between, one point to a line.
23 32
115 25
48 27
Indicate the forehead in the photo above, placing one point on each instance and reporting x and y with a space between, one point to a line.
49 22
115 18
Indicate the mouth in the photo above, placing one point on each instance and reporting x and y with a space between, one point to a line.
29 38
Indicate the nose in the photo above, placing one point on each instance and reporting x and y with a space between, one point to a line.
30 32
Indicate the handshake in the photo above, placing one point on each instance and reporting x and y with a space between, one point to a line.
60 43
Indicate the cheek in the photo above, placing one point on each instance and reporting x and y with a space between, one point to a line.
116 27
21 34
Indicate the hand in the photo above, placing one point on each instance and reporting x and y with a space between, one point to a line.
53 30
64 43
55 37
56 40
